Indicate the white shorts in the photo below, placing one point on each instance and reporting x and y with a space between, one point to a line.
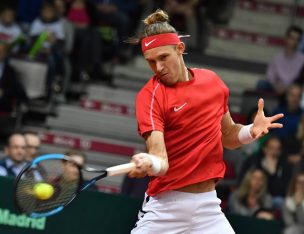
176 212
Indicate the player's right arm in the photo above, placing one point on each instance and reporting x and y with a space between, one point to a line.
155 161
150 115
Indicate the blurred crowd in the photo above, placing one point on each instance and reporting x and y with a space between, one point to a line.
73 38
21 148
76 38
268 183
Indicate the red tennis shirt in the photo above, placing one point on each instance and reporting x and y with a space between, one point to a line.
189 114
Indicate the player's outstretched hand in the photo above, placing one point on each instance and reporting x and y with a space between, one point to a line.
262 124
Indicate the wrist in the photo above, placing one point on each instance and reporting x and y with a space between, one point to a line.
157 166
245 135
251 131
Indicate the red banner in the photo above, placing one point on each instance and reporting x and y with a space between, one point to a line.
113 108
87 144
249 37
271 7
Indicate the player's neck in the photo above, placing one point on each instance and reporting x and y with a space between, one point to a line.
186 75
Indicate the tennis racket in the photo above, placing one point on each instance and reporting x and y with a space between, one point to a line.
50 182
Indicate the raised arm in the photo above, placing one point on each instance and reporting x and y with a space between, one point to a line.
155 161
234 135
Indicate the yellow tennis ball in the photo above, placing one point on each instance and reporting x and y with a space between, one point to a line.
43 191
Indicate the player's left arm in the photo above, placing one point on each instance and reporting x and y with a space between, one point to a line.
234 135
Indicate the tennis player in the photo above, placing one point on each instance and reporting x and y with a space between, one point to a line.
183 115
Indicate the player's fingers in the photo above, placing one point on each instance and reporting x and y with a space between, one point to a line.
276 117
137 159
261 105
140 167
276 125
133 172
262 133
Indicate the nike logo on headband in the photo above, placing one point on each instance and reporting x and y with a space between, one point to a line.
157 40
148 43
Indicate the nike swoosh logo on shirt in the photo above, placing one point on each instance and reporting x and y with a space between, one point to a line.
148 43
176 109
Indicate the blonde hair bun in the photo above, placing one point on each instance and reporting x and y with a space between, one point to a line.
159 16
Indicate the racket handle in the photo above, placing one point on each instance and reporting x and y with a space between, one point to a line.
120 169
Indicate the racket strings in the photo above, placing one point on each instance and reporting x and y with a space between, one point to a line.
64 178
30 203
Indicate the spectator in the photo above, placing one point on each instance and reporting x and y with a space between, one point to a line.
70 175
188 11
10 32
12 92
69 32
78 156
14 161
293 152
252 194
117 14
275 167
285 67
293 209
49 29
33 144
219 11
292 113
80 159
87 50
68 27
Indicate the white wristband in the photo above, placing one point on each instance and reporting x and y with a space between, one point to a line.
156 163
245 136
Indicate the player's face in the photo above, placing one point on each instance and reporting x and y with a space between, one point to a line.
167 63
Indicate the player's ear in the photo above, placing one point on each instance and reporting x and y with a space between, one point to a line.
180 48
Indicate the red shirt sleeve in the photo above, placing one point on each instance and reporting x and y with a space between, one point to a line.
226 91
149 112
